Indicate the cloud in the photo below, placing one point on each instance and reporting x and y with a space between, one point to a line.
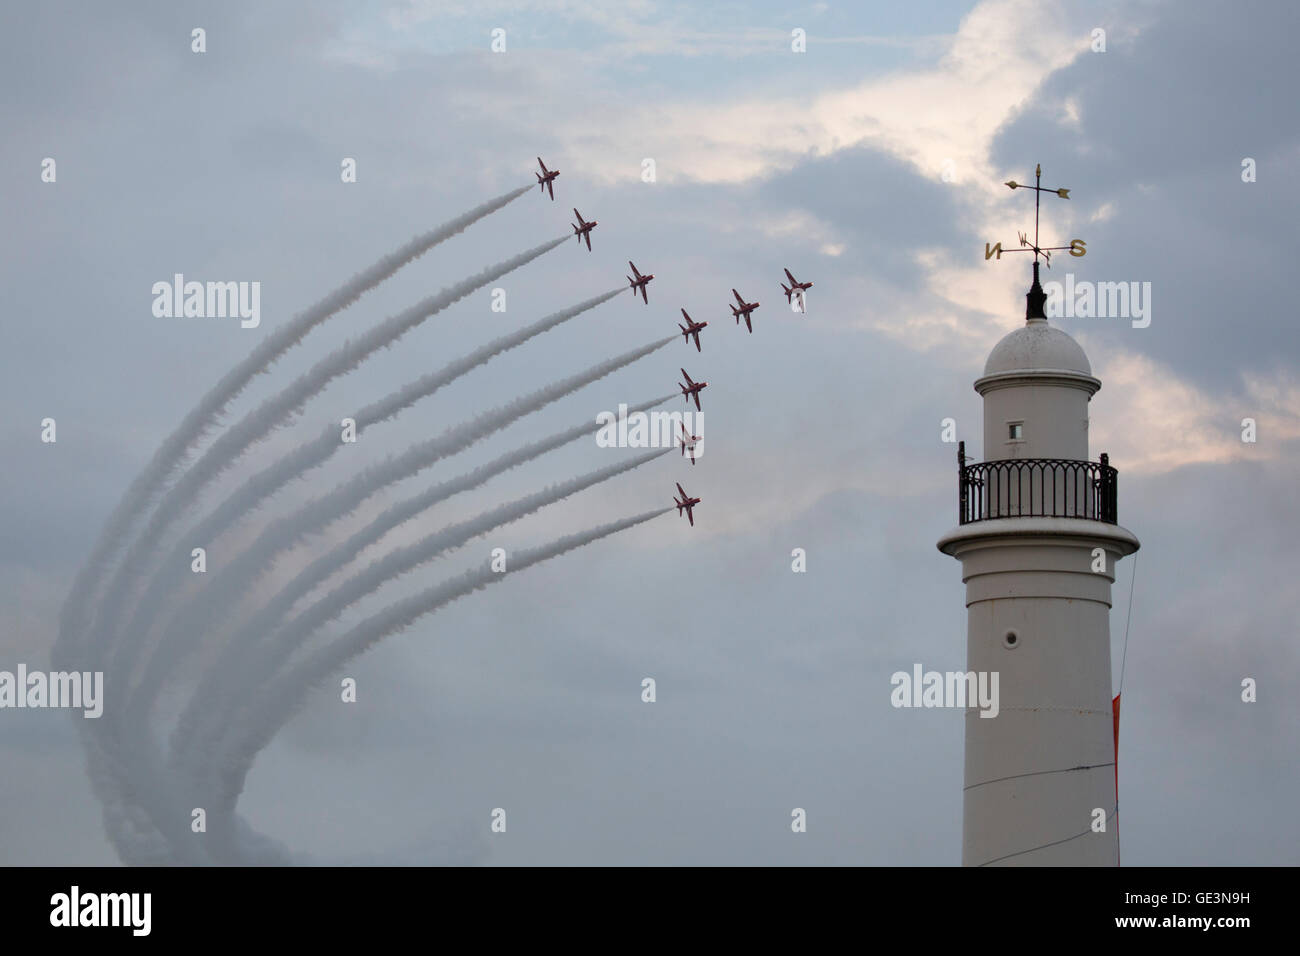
949 111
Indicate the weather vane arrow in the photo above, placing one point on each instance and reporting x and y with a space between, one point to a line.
1077 247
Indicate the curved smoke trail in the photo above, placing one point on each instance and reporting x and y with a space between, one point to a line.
73 648
205 704
257 424
255 726
312 453
287 531
260 666
195 425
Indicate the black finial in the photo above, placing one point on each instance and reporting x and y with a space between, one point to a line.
1036 300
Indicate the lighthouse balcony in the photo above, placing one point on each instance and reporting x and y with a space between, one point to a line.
1036 487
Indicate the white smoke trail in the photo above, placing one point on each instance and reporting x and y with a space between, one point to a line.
222 453
205 704
195 425
126 823
287 531
310 454
255 726
257 424
127 801
144 815
261 664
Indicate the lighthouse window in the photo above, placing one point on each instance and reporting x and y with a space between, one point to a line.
1016 431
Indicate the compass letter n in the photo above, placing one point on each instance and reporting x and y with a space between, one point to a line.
990 250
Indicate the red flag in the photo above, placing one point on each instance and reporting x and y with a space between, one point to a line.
1114 708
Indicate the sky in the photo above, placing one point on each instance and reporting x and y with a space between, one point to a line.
871 163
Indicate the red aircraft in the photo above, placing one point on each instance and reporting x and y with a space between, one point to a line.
583 229
795 286
688 441
692 390
686 502
546 178
639 282
691 328
745 309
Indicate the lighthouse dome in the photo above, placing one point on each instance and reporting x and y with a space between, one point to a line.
1037 345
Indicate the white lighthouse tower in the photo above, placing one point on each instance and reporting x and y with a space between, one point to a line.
1038 539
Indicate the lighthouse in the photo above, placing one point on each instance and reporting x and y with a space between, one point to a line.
1038 538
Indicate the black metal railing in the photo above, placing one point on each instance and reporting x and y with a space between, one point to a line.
1036 487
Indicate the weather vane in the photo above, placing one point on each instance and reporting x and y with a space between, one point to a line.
1077 247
